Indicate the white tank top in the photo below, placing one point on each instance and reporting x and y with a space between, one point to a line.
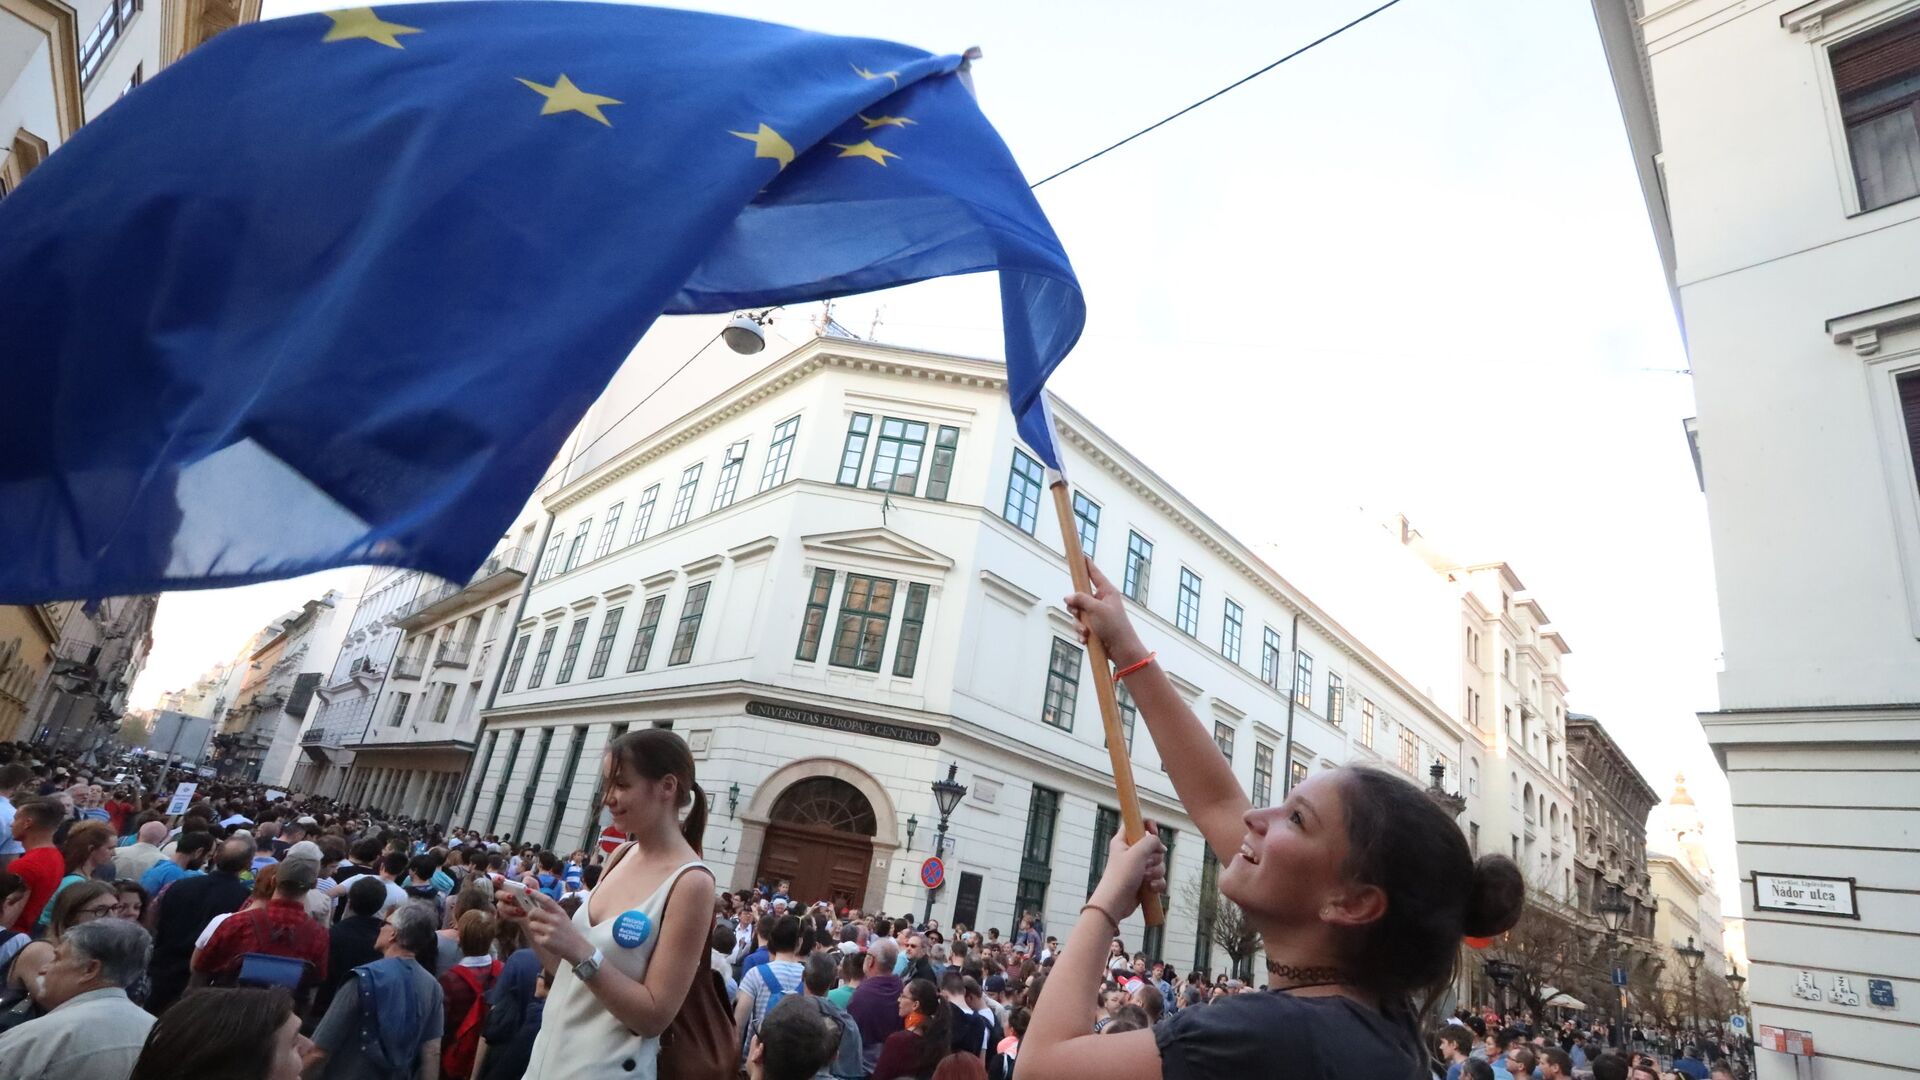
579 1039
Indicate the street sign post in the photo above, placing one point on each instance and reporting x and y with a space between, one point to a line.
182 798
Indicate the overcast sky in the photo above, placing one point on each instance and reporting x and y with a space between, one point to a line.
1410 270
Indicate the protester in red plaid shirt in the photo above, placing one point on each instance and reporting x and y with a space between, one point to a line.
281 927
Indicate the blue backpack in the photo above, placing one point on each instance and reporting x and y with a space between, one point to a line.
776 991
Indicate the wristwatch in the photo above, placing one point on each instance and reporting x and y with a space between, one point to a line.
586 969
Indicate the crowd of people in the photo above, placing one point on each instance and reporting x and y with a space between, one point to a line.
1487 1046
268 938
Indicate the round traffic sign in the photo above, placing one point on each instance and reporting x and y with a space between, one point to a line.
611 838
1738 1024
933 872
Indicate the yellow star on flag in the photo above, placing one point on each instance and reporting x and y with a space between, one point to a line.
884 121
767 143
866 149
353 23
865 74
563 96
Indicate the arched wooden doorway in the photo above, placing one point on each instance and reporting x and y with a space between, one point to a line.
820 838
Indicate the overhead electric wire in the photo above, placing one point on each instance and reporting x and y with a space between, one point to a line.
1322 39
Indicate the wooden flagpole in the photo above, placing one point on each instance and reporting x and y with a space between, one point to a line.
1131 822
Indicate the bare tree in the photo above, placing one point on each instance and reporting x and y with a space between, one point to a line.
1232 931
1550 954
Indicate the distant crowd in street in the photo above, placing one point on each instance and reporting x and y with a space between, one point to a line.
1484 1045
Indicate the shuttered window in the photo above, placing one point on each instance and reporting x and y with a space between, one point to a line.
1877 76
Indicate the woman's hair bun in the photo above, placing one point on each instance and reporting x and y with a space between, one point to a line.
1498 897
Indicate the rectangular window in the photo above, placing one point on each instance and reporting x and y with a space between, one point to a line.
780 454
571 654
896 457
860 635
1409 752
1296 772
1262 774
643 514
603 647
1036 855
500 793
532 785
486 762
609 531
688 631
540 658
1063 684
731 465
1877 77
683 499
400 702
1336 699
513 666
1908 387
1230 622
1086 522
643 637
1367 713
577 547
1106 822
1223 738
1129 713
443 703
859 430
1207 917
1139 568
106 33
1302 679
906 654
946 447
1153 940
814 623
1186 612
577 749
1024 480
1270 657
552 558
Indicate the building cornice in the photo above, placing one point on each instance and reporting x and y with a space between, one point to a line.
61 26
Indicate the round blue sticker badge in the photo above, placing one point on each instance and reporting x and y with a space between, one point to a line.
632 928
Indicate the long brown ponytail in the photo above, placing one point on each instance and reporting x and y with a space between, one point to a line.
657 753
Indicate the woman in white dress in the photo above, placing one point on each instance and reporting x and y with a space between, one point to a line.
609 1002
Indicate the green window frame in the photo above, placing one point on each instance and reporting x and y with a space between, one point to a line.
1336 700
1129 713
1024 480
946 450
532 786
1036 852
1153 940
813 623
1139 570
1270 651
571 654
1206 918
732 463
691 612
860 633
1106 822
1231 619
780 453
399 713
500 793
1063 684
609 530
1262 775
486 762
551 559
578 748
1223 738
1368 714
540 658
1186 612
578 547
897 456
643 514
913 618
683 498
1296 772
1302 678
603 646
642 650
513 668
1086 523
859 431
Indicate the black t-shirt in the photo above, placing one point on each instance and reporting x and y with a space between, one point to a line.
1301 1038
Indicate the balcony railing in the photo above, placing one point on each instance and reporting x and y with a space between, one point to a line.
409 667
511 560
453 655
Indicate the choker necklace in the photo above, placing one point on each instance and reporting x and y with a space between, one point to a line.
1299 978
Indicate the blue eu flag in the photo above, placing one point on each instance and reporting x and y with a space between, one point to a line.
333 289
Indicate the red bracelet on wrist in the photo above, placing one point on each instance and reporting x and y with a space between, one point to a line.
1135 666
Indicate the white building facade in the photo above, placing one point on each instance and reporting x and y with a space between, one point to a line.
344 701
1787 218
842 576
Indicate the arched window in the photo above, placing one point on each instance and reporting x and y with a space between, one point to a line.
1473 776
1526 801
827 803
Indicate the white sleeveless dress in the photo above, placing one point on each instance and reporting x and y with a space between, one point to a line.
579 1039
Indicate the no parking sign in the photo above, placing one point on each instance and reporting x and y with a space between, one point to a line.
933 873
